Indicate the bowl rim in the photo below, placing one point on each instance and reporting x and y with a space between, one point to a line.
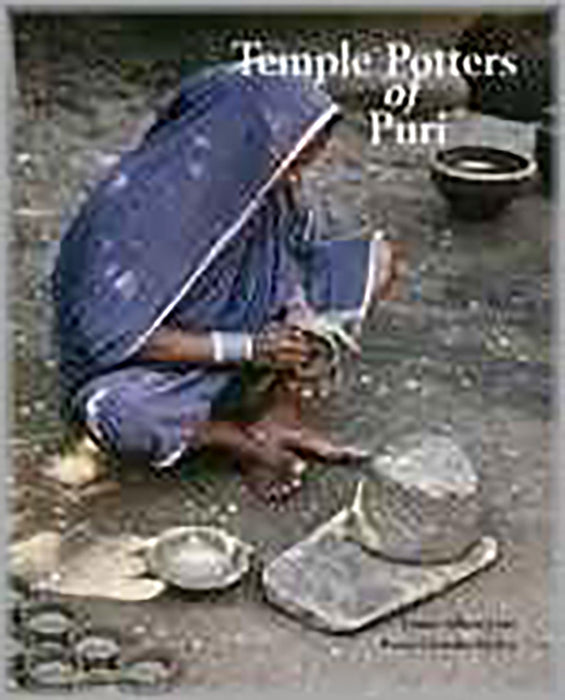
233 547
523 173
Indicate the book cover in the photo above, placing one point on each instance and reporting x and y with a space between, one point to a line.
443 151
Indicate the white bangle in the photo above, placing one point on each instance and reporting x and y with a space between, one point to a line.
217 346
247 347
235 347
231 347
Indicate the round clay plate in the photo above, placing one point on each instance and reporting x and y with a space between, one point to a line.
46 621
149 673
53 673
97 648
198 558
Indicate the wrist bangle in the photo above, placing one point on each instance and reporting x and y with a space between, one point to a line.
217 346
232 347
236 347
248 351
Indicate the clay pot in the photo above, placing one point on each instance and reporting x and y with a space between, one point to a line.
479 182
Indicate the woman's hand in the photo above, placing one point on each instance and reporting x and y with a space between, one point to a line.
282 346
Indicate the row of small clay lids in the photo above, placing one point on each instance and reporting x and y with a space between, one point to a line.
55 648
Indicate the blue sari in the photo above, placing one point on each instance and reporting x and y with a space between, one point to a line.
194 229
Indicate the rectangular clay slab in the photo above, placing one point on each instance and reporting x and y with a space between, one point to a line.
332 583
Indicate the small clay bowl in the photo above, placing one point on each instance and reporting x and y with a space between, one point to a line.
42 651
149 671
479 182
51 675
99 649
46 622
48 670
198 558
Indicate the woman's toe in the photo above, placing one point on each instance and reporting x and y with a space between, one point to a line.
298 468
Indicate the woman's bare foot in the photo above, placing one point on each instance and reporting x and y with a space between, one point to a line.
270 471
273 487
78 468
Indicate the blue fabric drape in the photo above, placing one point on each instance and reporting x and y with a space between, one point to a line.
158 222
194 229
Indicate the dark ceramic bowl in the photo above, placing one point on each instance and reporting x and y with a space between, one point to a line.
546 142
479 182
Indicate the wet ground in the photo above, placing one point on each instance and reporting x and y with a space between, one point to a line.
465 353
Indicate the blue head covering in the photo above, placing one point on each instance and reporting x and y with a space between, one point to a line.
155 226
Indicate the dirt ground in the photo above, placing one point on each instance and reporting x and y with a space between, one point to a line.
468 356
